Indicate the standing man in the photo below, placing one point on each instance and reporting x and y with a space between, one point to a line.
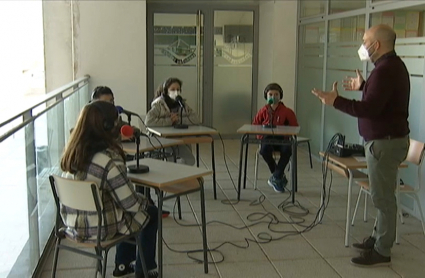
382 118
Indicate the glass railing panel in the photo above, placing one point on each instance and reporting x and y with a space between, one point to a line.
28 157
13 200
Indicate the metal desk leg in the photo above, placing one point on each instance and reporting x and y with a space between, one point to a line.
347 222
179 206
240 166
197 155
160 200
246 161
213 168
294 168
204 226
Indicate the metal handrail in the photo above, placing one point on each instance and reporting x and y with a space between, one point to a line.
57 94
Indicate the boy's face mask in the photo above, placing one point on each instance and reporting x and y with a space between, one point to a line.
272 100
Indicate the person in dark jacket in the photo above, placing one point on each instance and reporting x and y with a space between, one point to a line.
382 119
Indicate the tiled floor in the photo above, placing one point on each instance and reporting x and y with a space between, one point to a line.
317 253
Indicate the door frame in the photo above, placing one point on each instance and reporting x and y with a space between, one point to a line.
208 49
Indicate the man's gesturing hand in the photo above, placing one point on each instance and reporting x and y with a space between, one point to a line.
327 97
353 83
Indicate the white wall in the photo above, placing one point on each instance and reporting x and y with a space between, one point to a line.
57 43
110 45
277 48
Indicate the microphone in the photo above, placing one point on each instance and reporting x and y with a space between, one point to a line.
179 99
270 110
129 131
128 113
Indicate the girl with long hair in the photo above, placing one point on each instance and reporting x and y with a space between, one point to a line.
93 153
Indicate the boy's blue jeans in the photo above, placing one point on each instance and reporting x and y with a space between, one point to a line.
266 152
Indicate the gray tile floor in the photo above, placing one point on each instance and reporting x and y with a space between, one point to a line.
317 253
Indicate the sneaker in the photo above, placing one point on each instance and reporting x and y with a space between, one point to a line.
165 213
123 271
276 184
371 258
367 244
151 274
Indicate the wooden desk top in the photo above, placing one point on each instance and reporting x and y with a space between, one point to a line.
164 173
154 144
350 162
193 130
260 130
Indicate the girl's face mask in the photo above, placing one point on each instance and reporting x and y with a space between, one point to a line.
173 94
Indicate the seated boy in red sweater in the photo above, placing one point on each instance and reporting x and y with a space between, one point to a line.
280 115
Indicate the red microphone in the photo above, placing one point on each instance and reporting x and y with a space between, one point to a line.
127 131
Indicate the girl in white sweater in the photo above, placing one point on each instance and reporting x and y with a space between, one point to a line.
165 111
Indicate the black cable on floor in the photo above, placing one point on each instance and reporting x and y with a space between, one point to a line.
296 218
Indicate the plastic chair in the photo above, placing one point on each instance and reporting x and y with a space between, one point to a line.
84 196
415 156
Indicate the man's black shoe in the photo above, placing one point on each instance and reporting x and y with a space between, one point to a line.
371 258
367 244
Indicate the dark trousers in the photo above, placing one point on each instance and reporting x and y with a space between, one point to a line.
266 152
126 252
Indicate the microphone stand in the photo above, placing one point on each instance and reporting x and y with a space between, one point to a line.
137 169
129 119
181 125
270 124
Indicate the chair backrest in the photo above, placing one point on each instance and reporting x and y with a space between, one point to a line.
416 152
79 195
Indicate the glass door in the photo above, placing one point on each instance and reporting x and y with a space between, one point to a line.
213 50
233 57
177 49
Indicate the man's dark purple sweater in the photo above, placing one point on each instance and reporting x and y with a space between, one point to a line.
384 108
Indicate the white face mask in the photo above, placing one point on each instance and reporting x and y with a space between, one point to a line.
364 53
173 94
